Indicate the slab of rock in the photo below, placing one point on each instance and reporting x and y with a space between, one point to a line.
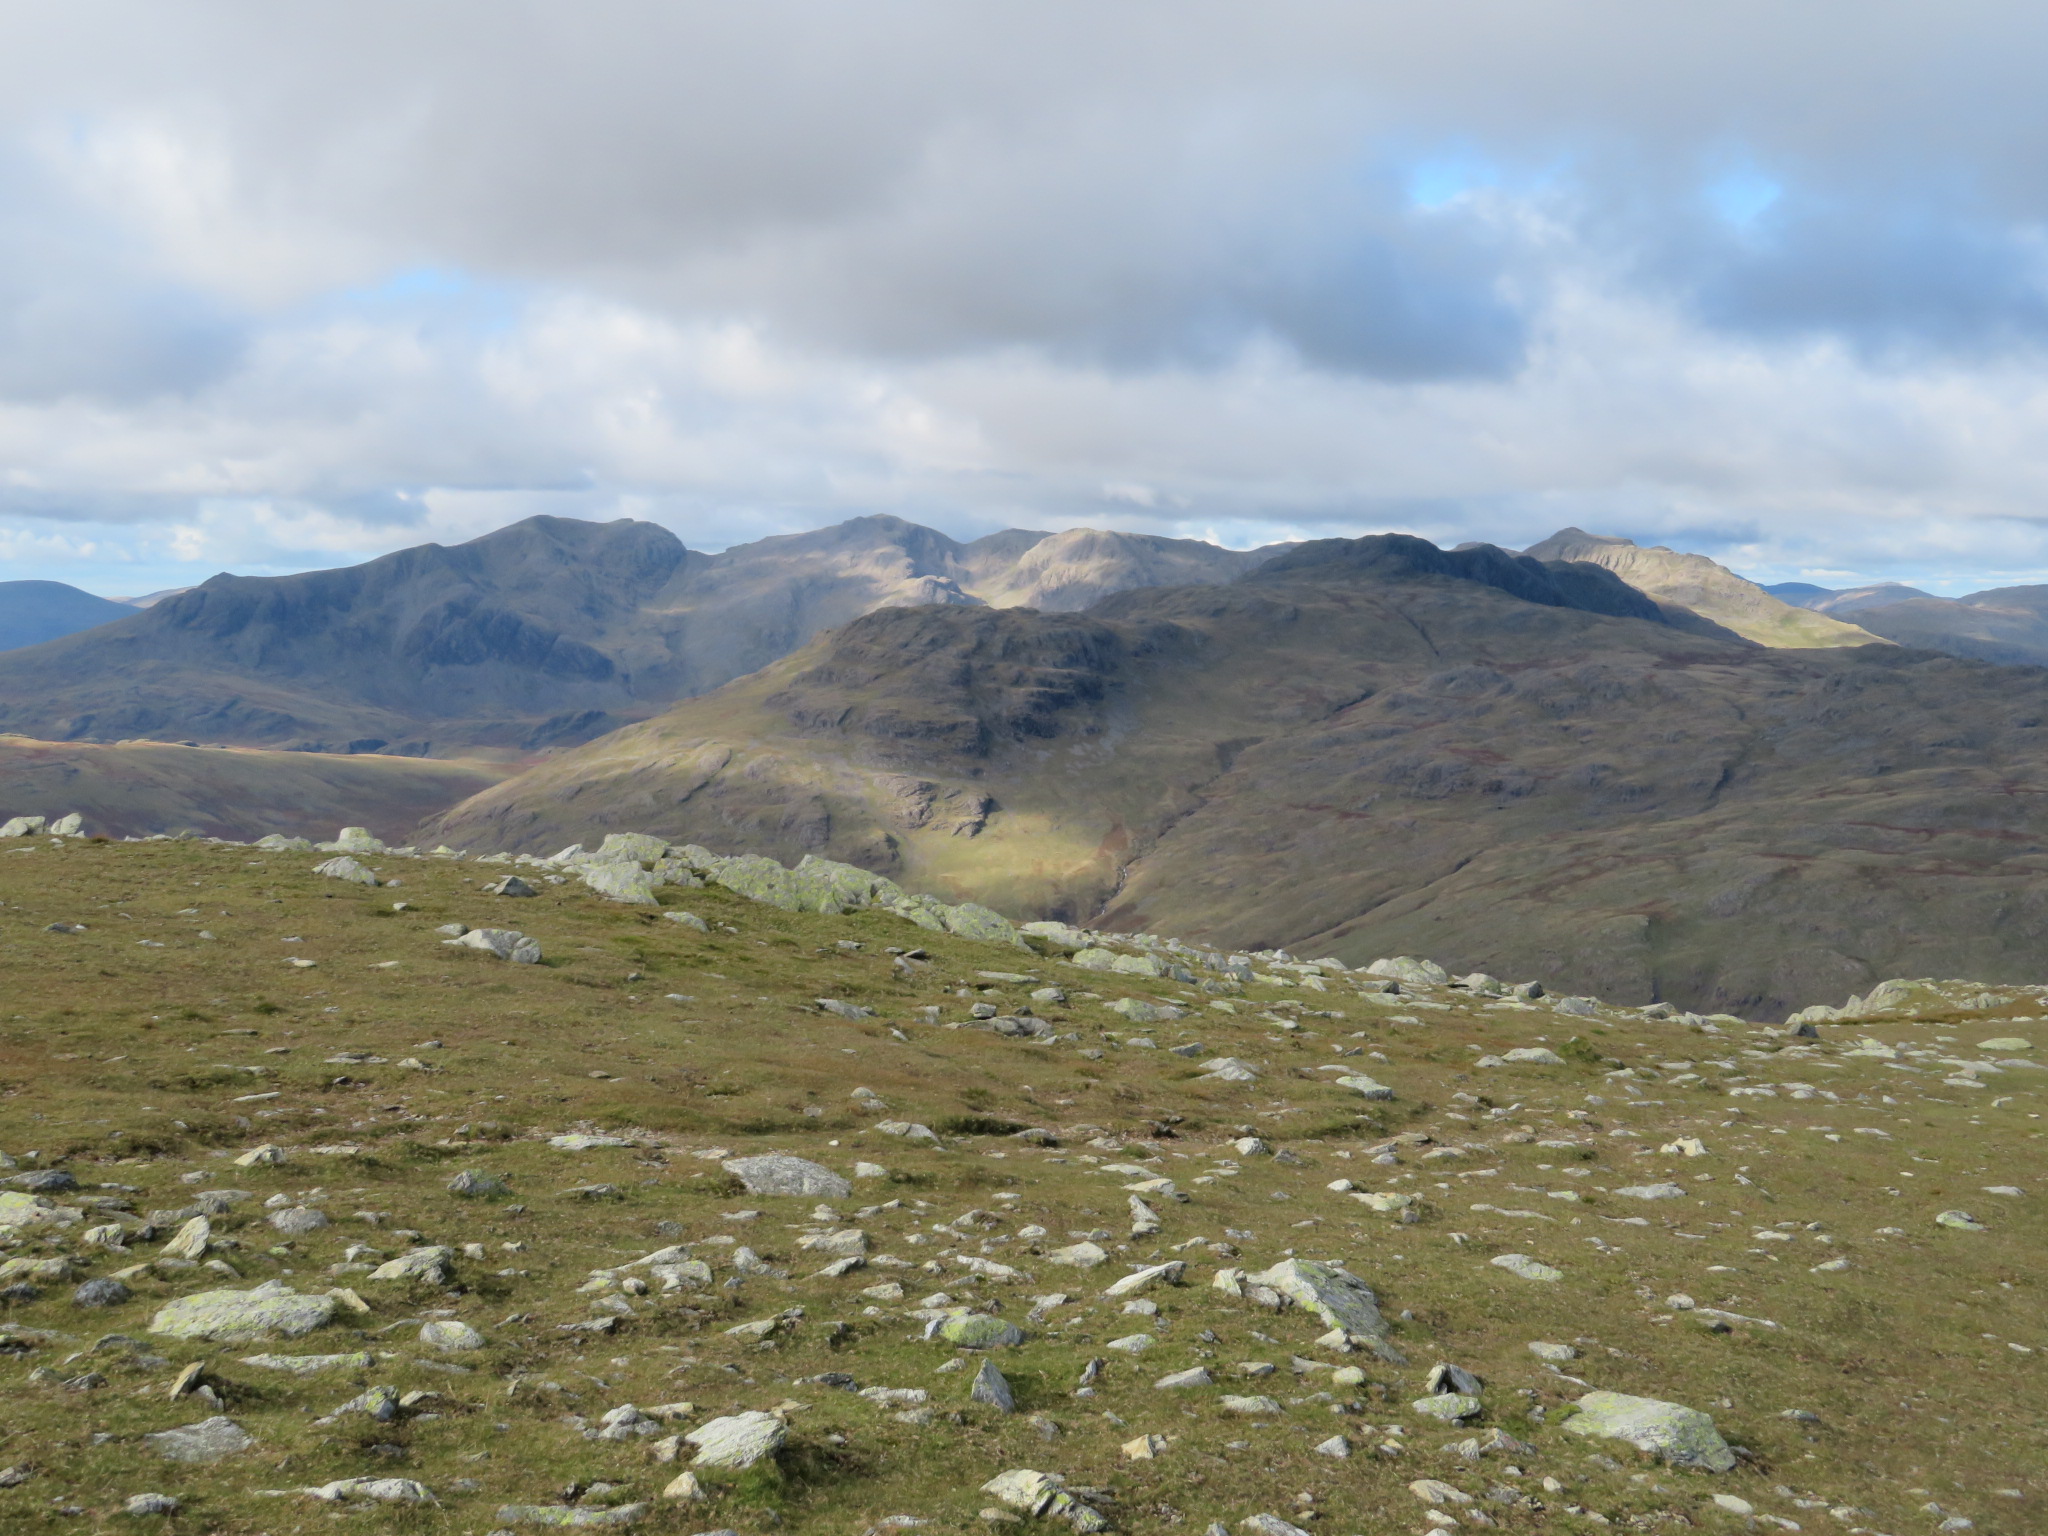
991 1387
1651 1192
568 1514
1083 1255
738 1440
778 1173
357 840
1197 1376
208 1440
310 1365
1448 1406
974 1330
1528 1268
472 1184
1557 1354
1406 968
1682 1436
1229 1069
1365 1087
151 1504
1168 1273
578 1141
269 1311
1960 1221
627 883
348 869
19 1210
1533 1055
298 1220
1249 1405
1269 1525
101 1293
450 1336
505 943
1332 1293
431 1264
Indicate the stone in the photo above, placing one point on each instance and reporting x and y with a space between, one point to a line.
990 1387
431 1265
1409 970
1651 1192
974 1330
1168 1273
1528 1268
1332 1293
311 1365
2005 1043
686 1489
1556 1354
578 1141
208 1440
626 883
1144 1448
1336 1447
778 1173
450 1336
22 826
1734 1504
1434 1491
269 1155
738 1440
357 840
1195 1376
630 848
1453 1378
1229 1069
1533 1055
511 885
151 1504
346 869
1365 1087
298 1220
1960 1221
1268 1525
688 920
101 1293
269 1311
19 1210
375 1490
909 1131
1083 1255
475 1185
1682 1436
506 943
568 1514
1450 1407
1249 1405
1384 1201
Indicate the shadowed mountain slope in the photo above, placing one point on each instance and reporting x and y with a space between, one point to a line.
34 611
1355 751
2006 624
546 632
1696 583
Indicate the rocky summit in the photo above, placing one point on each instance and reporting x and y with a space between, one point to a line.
734 1197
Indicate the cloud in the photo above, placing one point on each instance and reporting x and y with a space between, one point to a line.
284 287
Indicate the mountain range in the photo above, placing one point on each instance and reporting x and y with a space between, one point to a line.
547 632
34 611
1374 746
2004 624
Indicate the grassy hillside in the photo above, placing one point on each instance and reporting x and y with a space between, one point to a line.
173 1007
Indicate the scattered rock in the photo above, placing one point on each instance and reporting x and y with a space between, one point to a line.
1683 1436
151 1504
474 1185
346 869
1528 1268
1961 1221
738 1440
974 1330
778 1173
450 1336
208 1440
298 1220
990 1387
243 1317
101 1293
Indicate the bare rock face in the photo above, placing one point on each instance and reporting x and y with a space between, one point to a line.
1682 1436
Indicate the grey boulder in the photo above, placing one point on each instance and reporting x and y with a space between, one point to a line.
778 1173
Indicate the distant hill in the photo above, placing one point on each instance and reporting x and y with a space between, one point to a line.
547 632
34 611
1374 746
1698 584
1843 600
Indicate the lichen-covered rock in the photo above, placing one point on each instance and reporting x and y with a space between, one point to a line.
569 1514
630 848
627 883
1408 969
1334 1294
1365 1087
1528 1268
208 1440
430 1264
1683 1436
975 1330
345 868
1533 1055
779 1173
269 1311
1120 964
505 943
450 1336
973 921
1448 1406
357 840
738 1440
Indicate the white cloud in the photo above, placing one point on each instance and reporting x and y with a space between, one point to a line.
283 287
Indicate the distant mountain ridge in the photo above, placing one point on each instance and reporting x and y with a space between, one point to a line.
32 612
1699 585
546 632
2008 625
1374 746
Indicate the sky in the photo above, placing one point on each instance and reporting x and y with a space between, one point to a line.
285 287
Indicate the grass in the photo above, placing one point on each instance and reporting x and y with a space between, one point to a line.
133 1066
